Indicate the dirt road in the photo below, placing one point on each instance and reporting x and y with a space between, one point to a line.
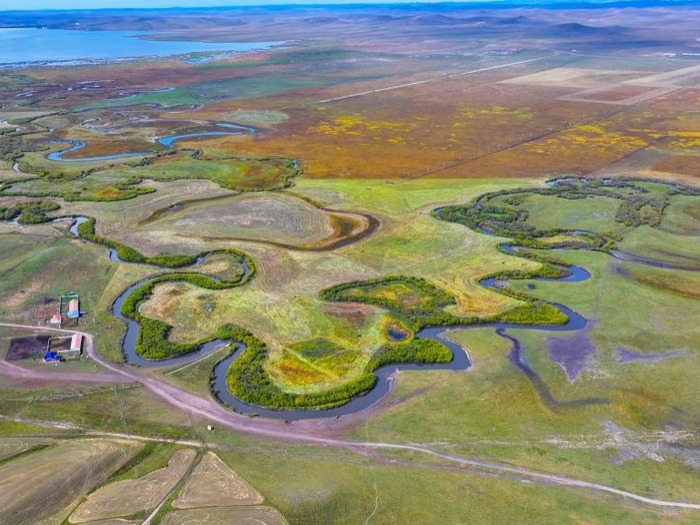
427 80
318 431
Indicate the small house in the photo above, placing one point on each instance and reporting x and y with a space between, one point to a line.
76 343
55 320
52 357
74 309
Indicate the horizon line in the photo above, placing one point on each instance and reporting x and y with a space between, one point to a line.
364 3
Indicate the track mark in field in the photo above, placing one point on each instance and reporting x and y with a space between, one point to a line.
374 479
427 80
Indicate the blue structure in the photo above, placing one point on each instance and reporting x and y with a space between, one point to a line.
52 357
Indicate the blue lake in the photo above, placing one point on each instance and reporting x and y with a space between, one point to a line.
25 46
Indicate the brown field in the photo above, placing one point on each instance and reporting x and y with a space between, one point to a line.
39 486
683 284
225 516
214 484
681 164
27 347
126 497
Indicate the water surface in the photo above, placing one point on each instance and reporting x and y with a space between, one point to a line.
28 46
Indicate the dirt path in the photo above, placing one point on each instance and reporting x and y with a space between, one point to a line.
17 372
427 80
318 432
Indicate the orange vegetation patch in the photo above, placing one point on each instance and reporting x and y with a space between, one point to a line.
416 131
355 314
97 148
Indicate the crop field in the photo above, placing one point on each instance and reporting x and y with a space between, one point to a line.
130 496
213 484
38 486
10 447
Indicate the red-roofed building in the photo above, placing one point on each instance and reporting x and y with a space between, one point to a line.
76 343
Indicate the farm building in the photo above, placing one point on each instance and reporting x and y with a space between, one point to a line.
74 309
76 343
52 357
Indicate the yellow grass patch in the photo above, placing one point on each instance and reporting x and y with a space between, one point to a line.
124 498
214 484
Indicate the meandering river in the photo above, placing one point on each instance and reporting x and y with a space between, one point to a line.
169 142
385 374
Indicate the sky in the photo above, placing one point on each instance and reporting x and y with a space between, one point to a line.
6 5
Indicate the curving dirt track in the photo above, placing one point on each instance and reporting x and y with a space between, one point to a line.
25 374
321 432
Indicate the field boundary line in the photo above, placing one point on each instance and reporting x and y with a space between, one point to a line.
427 80
186 476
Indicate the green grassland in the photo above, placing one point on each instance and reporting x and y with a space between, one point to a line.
94 187
290 313
682 216
319 485
230 172
87 182
491 411
594 213
316 485
474 411
44 266
259 86
662 246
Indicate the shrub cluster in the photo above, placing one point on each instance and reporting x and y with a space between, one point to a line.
248 380
29 212
428 311
414 351
637 208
